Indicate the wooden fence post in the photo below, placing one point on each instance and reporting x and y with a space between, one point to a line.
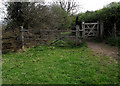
21 37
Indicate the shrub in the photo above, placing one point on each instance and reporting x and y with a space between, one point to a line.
113 41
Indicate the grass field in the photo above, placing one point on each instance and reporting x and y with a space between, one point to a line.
58 65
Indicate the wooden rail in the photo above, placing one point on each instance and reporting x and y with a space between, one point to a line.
29 36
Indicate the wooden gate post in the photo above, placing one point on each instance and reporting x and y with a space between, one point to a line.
83 28
101 29
114 30
77 34
97 29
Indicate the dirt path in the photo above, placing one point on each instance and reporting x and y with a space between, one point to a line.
103 49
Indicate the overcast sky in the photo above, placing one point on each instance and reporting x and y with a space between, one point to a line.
93 5
85 5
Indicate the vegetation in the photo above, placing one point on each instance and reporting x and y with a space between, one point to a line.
113 41
63 42
70 6
56 65
52 64
108 15
37 15
32 16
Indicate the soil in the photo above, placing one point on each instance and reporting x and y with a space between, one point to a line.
103 49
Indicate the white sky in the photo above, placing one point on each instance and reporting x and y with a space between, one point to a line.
85 5
93 5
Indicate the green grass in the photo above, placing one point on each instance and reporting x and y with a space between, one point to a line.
55 65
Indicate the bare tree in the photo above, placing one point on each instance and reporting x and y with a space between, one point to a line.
70 6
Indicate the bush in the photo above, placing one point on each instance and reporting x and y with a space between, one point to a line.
113 41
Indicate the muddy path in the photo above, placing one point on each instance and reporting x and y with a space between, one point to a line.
103 49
